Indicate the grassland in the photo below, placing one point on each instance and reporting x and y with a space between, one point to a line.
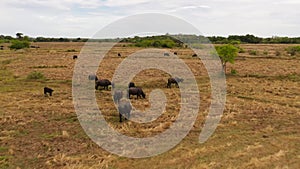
260 127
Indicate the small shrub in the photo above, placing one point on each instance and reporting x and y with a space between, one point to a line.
253 52
241 50
293 50
71 50
35 75
265 52
233 72
277 53
17 44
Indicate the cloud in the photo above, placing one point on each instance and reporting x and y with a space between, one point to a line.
213 17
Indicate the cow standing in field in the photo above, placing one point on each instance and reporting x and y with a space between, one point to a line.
131 84
175 80
48 90
75 57
136 91
124 108
119 54
102 82
117 96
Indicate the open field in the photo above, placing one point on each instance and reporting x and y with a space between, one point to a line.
260 127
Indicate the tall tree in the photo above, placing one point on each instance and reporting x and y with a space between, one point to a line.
19 35
227 53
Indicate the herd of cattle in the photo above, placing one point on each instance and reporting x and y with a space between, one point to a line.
123 103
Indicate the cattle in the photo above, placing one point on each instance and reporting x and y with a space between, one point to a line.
175 80
119 54
136 91
124 108
75 56
102 82
117 96
48 90
175 53
1 47
131 84
166 54
93 77
36 47
194 55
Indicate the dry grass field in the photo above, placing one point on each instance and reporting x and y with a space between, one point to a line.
260 127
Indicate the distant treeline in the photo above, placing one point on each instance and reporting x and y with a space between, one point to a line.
167 40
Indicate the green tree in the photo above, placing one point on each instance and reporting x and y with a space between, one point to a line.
227 53
17 44
19 35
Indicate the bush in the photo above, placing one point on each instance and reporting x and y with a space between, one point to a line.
277 53
35 75
71 50
265 52
241 50
17 44
253 52
233 72
293 50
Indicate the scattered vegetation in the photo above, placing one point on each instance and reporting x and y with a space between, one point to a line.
19 44
253 52
233 72
71 50
277 53
36 75
266 52
46 66
293 50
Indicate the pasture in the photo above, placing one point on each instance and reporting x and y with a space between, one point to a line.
260 127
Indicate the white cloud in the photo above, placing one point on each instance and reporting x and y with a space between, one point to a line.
213 17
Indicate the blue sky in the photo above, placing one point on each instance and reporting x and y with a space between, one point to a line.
83 18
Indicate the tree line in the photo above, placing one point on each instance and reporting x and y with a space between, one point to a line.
166 40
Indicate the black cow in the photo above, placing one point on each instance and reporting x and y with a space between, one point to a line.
124 108
102 82
136 91
119 54
175 53
118 94
75 57
131 84
48 90
93 77
194 55
166 54
175 80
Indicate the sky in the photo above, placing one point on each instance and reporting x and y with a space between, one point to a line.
83 18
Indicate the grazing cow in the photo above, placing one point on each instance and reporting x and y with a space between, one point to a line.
102 82
124 108
118 94
75 57
119 54
93 77
1 47
175 80
131 84
194 55
48 90
36 47
136 91
166 54
175 53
